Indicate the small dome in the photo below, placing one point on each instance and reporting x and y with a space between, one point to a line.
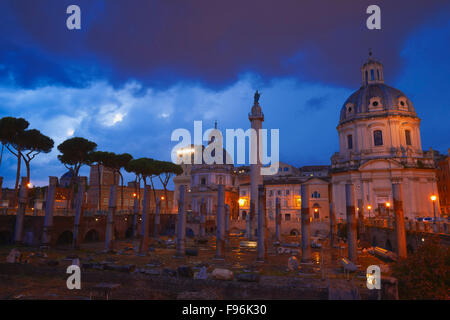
67 175
375 96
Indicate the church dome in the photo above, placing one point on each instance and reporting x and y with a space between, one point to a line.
375 98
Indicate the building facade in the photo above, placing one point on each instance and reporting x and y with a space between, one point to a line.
380 145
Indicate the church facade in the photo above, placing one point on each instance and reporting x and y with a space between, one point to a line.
380 145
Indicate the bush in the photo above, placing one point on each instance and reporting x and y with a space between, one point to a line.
425 273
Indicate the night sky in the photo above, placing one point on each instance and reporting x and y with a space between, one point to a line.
137 70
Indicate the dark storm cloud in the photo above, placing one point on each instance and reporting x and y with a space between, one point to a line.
213 41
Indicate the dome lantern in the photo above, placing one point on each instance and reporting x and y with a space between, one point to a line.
372 71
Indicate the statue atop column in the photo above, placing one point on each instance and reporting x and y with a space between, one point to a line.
256 98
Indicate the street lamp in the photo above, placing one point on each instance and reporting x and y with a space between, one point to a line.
433 199
388 205
369 207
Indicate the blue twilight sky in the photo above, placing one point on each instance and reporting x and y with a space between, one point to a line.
137 70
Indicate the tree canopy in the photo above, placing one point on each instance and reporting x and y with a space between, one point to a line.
75 152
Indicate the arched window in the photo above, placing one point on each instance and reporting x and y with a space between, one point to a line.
372 75
378 138
349 141
408 137
367 77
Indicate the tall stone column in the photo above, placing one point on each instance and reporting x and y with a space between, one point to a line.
399 220
220 218
360 218
20 214
306 232
256 118
351 223
202 218
333 226
109 238
277 220
81 182
157 219
262 232
227 222
249 224
143 245
135 216
181 225
49 206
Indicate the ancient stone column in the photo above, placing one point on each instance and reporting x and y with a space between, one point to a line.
249 224
157 219
277 220
49 205
109 238
81 182
333 226
135 216
181 225
143 245
333 222
306 242
220 218
351 223
399 220
202 218
20 214
256 118
227 222
262 248
360 218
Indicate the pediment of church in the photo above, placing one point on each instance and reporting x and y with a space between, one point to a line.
380 164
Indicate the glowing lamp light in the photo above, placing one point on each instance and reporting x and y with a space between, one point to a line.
241 202
134 194
388 204
316 210
369 207
29 185
433 198
162 198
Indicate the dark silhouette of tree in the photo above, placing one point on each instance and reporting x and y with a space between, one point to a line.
34 142
116 162
11 131
74 154
145 168
167 170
